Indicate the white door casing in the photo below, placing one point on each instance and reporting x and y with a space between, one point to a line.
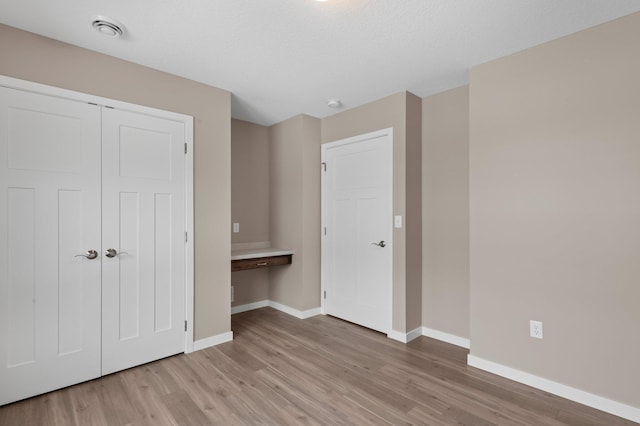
357 209
143 221
50 211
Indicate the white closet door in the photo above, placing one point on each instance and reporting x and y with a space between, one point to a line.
49 213
357 256
143 220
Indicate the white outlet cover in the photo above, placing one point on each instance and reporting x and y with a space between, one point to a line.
535 329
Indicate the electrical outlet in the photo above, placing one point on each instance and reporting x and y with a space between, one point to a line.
232 295
535 329
236 228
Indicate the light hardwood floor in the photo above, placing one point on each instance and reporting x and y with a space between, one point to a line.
280 370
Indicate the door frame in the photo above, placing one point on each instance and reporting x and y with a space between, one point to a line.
29 86
383 133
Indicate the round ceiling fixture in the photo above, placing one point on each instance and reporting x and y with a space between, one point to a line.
334 103
107 26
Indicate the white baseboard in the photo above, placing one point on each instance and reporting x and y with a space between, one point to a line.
405 337
446 337
396 335
249 307
600 403
294 312
212 341
414 334
279 306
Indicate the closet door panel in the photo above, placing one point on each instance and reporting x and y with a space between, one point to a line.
144 223
49 214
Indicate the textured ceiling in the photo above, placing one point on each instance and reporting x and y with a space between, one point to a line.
280 58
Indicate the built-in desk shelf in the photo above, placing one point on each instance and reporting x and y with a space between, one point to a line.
241 260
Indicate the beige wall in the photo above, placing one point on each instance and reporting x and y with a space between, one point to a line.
250 286
311 212
413 219
30 57
249 181
445 212
250 203
555 208
390 112
295 210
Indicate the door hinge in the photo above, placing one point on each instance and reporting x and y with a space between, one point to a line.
185 147
325 230
324 166
185 325
325 294
186 237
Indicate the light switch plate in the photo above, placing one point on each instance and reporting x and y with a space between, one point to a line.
236 228
397 221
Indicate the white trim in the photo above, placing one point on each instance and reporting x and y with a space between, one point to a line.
446 337
294 312
396 335
213 341
189 247
387 132
598 402
249 307
71 95
278 306
405 337
30 86
414 334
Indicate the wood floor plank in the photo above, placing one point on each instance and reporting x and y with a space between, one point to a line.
115 399
443 386
380 408
146 396
183 410
280 370
207 387
86 406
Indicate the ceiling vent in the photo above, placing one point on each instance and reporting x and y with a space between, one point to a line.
107 26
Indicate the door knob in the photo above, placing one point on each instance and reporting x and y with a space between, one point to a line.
113 253
380 244
91 254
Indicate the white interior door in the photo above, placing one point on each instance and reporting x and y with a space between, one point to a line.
143 221
49 213
357 188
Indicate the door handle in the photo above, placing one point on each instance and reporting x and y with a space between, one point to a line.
91 254
380 244
113 253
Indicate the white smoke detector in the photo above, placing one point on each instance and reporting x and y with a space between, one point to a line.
334 103
107 26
